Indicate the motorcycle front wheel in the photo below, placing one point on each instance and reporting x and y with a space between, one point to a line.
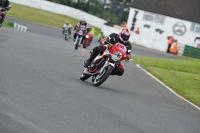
84 77
66 37
76 45
101 77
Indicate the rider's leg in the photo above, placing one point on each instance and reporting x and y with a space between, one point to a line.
69 32
75 36
83 38
96 51
118 70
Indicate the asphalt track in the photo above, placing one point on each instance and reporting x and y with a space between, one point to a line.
40 91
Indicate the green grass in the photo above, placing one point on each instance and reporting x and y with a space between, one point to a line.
183 76
7 24
41 16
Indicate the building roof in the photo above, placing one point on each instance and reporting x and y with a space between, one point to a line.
182 9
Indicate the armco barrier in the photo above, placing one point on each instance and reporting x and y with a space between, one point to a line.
18 26
62 9
191 52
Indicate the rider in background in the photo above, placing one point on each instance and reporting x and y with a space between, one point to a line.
100 35
92 31
4 6
82 25
113 38
66 26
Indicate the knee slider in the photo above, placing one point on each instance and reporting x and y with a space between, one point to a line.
2 15
96 50
120 72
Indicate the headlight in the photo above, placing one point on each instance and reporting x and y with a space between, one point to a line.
87 36
117 56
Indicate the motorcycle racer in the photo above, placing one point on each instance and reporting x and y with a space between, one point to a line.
67 25
4 6
82 25
113 38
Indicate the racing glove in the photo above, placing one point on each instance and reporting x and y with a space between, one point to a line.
128 56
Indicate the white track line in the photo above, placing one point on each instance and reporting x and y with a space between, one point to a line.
167 86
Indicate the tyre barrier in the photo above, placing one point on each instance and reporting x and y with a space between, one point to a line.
18 26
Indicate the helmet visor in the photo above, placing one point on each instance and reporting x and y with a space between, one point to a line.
125 37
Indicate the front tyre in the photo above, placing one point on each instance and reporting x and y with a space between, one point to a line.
66 37
84 77
101 77
76 45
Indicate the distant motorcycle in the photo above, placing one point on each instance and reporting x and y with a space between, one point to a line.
79 38
103 65
88 39
66 33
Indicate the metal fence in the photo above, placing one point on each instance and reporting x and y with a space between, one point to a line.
112 11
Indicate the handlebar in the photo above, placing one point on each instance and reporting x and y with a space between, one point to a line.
3 9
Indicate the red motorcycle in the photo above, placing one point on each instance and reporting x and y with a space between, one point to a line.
103 65
88 40
79 37
2 11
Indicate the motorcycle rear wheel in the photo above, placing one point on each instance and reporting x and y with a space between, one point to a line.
85 43
66 37
101 77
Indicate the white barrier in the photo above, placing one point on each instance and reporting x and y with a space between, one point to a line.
107 30
20 27
61 9
148 42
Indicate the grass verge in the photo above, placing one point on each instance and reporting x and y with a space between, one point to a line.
7 24
183 76
41 16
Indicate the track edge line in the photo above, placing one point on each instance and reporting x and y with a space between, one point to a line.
167 87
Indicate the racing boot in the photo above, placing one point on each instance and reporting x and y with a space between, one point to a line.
88 62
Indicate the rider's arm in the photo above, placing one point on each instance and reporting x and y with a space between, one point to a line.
129 48
8 6
99 36
110 39
87 28
70 25
75 28
64 26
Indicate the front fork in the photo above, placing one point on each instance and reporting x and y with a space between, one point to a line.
107 63
77 39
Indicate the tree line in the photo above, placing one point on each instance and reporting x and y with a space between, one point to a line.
113 11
